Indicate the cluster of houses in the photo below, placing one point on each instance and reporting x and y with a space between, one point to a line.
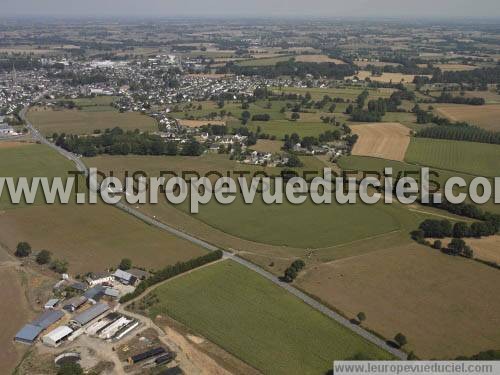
90 311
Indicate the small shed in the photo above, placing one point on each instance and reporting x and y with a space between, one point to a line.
51 304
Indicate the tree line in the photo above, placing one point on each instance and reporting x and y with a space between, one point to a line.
117 142
292 68
171 271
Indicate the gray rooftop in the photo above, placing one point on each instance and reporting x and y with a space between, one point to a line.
47 318
28 333
91 313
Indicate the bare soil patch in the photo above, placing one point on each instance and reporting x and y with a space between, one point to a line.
381 140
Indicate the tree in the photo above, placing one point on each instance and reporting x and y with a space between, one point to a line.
438 245
361 317
400 339
295 116
23 249
457 246
125 264
460 230
293 162
43 257
59 266
70 368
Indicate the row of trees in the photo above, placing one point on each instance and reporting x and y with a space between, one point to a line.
292 68
444 228
171 271
448 98
291 272
309 141
459 132
117 142
477 76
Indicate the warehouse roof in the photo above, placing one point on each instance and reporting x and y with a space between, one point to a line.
47 318
28 333
91 313
58 333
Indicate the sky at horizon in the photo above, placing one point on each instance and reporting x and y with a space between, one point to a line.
274 8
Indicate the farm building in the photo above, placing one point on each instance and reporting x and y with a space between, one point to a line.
145 355
28 334
111 292
51 304
90 314
139 274
57 336
81 287
74 303
48 318
95 293
99 278
125 277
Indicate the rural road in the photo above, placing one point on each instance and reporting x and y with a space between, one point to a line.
291 289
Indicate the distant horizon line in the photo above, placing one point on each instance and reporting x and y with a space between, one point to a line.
251 17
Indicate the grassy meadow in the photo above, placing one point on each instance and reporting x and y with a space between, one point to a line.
473 158
257 321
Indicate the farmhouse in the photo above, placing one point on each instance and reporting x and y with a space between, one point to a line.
99 278
57 336
89 315
125 277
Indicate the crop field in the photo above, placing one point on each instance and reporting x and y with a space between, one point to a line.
198 123
382 140
317 59
485 116
89 237
361 163
386 77
455 67
15 313
467 157
257 321
266 61
490 97
50 121
446 306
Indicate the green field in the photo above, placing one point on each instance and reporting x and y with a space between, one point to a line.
299 226
473 158
257 321
350 93
85 121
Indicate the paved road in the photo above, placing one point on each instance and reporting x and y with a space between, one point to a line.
302 296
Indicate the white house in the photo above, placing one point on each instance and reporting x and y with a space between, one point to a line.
99 278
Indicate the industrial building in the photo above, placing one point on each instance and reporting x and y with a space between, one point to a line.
30 332
58 335
89 315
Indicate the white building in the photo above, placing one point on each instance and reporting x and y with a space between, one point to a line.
57 336
99 278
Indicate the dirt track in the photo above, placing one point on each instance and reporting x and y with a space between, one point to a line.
382 140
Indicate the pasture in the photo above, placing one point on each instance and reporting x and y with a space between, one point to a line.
446 306
90 237
382 140
50 121
485 116
257 321
350 93
466 157
266 145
